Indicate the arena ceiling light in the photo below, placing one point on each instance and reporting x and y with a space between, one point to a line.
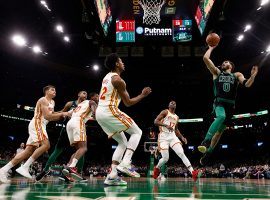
36 49
19 40
240 37
259 8
44 3
66 38
268 49
248 27
96 67
264 2
59 28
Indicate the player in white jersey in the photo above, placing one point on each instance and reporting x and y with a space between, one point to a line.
114 122
167 121
38 142
77 132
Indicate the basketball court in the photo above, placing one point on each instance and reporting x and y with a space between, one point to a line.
142 188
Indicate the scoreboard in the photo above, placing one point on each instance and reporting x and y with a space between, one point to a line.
125 31
178 31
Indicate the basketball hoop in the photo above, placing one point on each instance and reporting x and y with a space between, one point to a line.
151 10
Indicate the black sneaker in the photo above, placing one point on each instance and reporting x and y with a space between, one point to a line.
204 146
40 176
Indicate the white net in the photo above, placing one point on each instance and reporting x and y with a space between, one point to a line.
151 10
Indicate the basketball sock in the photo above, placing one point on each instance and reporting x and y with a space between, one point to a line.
164 159
7 167
114 170
80 164
73 163
128 155
121 147
53 157
190 168
28 162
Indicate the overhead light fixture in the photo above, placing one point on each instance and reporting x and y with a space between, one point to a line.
37 49
43 2
240 37
268 49
59 28
19 40
248 27
96 67
66 38
264 2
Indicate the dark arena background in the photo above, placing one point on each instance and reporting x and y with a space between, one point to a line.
162 44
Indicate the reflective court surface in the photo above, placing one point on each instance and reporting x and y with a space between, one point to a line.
143 188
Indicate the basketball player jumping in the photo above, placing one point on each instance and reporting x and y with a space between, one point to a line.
225 90
167 121
63 142
114 122
77 133
38 142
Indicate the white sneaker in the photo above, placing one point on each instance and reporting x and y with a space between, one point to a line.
126 169
3 177
24 172
163 178
114 181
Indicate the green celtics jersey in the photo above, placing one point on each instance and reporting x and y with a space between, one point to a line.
225 87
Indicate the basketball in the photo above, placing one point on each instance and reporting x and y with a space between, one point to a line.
212 39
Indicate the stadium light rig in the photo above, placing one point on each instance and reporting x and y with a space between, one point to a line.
36 49
44 4
248 27
240 37
59 28
268 49
264 2
19 40
66 38
95 67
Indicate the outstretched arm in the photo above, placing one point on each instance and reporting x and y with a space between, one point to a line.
250 81
160 117
209 63
120 85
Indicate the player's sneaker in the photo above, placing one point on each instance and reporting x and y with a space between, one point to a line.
72 171
3 177
162 178
41 175
204 146
156 172
117 181
196 174
66 179
128 170
84 180
24 172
